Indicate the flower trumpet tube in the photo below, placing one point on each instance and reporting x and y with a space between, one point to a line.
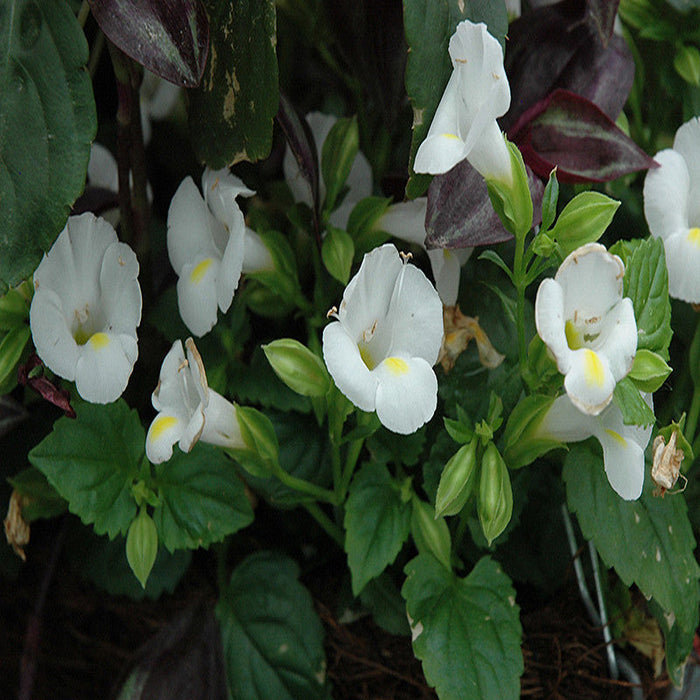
210 246
188 410
382 346
587 325
464 125
86 308
672 210
623 445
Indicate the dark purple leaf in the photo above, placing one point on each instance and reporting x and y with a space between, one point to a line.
562 46
169 37
601 13
301 144
604 77
570 132
460 214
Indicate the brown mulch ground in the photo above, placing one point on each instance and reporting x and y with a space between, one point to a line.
87 639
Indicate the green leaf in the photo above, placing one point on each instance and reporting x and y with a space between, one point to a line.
103 562
304 453
649 542
429 26
383 599
466 631
635 410
40 499
231 112
496 259
364 216
687 64
583 220
337 254
272 637
646 283
202 499
678 643
47 122
377 522
549 201
92 461
337 156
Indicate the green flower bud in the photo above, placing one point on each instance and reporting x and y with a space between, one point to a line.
262 448
512 200
457 481
299 368
649 370
687 64
495 501
430 534
142 546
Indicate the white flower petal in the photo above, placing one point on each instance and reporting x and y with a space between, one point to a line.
447 268
192 230
490 155
591 280
120 289
220 189
220 423
104 367
163 98
406 394
549 319
666 192
624 463
683 263
415 311
589 381
102 168
618 338
439 153
565 423
197 295
350 374
229 273
406 220
51 334
687 143
368 294
162 434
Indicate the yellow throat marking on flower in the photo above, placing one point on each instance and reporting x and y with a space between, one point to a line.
200 270
593 369
573 336
452 136
161 424
617 437
694 236
99 341
367 357
397 366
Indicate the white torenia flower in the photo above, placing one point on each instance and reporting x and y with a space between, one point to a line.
381 349
86 308
623 445
464 125
359 182
672 210
209 246
406 220
590 329
188 410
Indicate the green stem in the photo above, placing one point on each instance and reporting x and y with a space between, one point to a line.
691 422
337 469
326 523
294 482
83 13
353 454
520 284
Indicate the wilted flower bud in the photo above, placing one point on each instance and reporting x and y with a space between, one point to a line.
495 502
16 527
666 467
